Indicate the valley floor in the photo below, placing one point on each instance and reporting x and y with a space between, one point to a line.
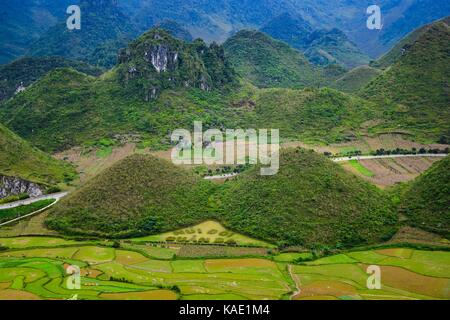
35 268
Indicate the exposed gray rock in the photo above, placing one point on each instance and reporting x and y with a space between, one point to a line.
11 186
162 58
20 88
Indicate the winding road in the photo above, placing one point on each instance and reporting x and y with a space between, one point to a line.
389 156
23 202
56 196
343 159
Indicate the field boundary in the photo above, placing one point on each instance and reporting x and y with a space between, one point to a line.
29 214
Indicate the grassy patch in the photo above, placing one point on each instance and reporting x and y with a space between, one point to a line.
361 169
16 212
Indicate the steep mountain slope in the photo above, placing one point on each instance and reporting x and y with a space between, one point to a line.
26 20
219 19
355 79
333 46
175 29
67 108
419 13
415 90
403 45
23 21
311 202
427 202
139 195
19 159
157 61
25 71
104 29
314 115
267 62
320 46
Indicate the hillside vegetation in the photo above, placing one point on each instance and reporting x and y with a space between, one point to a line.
320 46
162 83
403 45
316 115
19 159
310 202
27 70
175 29
355 79
413 92
67 108
139 195
105 29
267 62
157 61
426 203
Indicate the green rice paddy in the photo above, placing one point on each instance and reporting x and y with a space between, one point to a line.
35 267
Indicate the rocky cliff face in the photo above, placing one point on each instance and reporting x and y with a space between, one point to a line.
158 61
10 186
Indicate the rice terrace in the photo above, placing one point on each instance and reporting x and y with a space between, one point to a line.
271 152
34 268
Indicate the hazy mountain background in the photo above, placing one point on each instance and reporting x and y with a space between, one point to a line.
24 22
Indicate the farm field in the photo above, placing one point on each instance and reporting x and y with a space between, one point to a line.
405 274
367 144
387 172
35 268
208 232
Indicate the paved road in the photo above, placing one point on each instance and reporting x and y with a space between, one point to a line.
223 176
14 204
389 156
229 175
29 215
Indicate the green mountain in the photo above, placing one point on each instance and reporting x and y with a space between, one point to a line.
320 46
19 159
413 92
67 108
311 115
267 62
162 83
158 61
333 46
355 79
415 14
403 45
311 202
25 71
426 203
24 22
175 29
104 30
139 195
